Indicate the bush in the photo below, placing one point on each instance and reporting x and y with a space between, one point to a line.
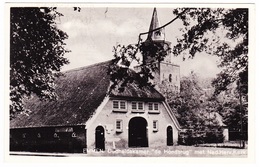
191 137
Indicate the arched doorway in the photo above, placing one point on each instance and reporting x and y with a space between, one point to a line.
137 134
169 136
100 138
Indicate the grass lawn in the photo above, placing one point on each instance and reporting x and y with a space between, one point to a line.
173 151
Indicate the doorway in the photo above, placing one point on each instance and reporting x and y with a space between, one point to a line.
137 133
100 138
169 136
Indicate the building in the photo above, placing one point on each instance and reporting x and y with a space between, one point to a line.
86 116
168 73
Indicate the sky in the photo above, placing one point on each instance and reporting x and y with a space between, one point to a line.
94 31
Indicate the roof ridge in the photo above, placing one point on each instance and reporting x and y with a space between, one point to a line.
85 67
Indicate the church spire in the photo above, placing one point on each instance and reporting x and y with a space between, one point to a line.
155 23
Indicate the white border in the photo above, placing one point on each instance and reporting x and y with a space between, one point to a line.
253 113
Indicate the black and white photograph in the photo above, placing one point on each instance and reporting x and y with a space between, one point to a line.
136 80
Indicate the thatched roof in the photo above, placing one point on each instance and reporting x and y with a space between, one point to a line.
80 92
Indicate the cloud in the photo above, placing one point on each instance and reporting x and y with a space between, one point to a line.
104 27
84 56
203 64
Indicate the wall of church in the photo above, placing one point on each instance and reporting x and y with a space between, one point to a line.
171 74
119 138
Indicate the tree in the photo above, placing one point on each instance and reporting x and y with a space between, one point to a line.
202 32
230 108
196 111
231 48
219 32
36 54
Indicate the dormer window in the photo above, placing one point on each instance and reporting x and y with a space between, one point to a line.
140 105
115 104
137 106
119 105
122 105
153 108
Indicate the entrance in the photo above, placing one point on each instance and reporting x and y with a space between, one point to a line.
100 138
137 134
169 136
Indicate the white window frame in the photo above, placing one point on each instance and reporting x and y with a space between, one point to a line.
150 105
142 104
155 128
120 129
120 108
154 104
115 101
138 109
124 104
153 110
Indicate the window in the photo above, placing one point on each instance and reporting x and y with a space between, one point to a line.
116 104
150 106
120 105
170 77
137 106
153 107
119 125
156 106
155 125
140 105
134 106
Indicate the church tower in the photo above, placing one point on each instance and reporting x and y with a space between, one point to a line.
168 73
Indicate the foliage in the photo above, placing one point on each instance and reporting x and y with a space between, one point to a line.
121 72
222 33
124 56
235 114
219 32
196 111
36 54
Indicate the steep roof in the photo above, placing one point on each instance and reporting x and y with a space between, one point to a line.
155 23
80 92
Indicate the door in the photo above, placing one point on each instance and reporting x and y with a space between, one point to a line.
100 138
169 136
137 134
